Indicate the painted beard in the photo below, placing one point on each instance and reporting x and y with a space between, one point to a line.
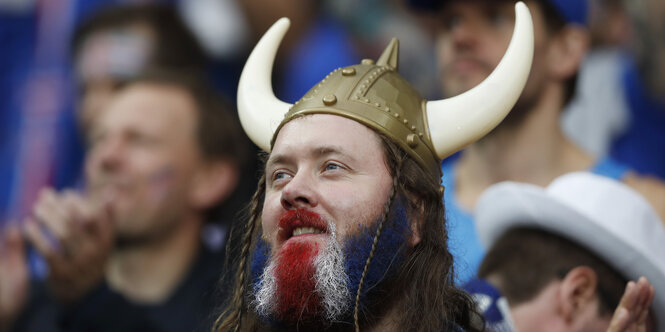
307 283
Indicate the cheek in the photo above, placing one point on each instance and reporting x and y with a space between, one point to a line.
361 207
443 51
272 210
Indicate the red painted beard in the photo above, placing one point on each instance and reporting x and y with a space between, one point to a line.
295 271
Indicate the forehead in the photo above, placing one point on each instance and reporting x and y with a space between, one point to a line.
319 130
148 106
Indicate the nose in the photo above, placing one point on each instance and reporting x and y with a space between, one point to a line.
464 34
299 192
108 154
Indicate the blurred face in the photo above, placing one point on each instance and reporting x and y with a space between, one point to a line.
142 157
105 60
327 185
472 39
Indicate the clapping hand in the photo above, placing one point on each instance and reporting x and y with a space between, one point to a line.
633 310
75 236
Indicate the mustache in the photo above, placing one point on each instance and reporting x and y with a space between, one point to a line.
293 219
449 66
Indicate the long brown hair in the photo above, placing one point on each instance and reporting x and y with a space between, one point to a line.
425 282
426 278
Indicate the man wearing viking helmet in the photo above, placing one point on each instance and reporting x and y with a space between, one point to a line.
346 229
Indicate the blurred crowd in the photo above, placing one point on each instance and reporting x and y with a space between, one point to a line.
125 166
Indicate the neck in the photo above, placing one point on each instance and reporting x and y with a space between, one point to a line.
533 151
149 273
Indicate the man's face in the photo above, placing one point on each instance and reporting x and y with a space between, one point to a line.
329 165
142 157
327 184
472 39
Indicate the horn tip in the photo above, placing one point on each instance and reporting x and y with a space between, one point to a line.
521 6
283 21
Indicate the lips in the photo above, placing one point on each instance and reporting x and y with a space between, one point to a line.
300 222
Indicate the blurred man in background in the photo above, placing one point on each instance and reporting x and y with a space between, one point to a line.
117 43
560 257
643 80
128 253
529 145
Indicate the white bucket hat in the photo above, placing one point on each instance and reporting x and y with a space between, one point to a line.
605 216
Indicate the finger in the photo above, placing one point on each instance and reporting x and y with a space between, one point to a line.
620 320
74 221
644 290
33 232
50 214
94 226
622 317
103 227
645 311
630 295
89 211
68 205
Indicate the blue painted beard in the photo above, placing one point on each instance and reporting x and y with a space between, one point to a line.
336 303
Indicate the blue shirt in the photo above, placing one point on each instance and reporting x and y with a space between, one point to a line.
492 305
642 146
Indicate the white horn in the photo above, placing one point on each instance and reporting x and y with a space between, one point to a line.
260 112
459 121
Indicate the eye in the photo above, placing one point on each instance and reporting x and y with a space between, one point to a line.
142 139
450 21
497 17
280 175
332 167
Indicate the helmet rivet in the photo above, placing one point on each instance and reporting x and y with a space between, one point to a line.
406 121
420 134
329 100
348 71
367 62
377 105
396 115
413 128
411 140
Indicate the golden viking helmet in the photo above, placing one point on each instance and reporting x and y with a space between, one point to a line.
378 97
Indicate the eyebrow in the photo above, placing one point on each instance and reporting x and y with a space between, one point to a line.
318 151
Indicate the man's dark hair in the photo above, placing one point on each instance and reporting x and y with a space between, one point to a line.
526 260
175 44
424 287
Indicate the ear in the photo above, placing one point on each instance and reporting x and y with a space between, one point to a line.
213 182
577 291
567 51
